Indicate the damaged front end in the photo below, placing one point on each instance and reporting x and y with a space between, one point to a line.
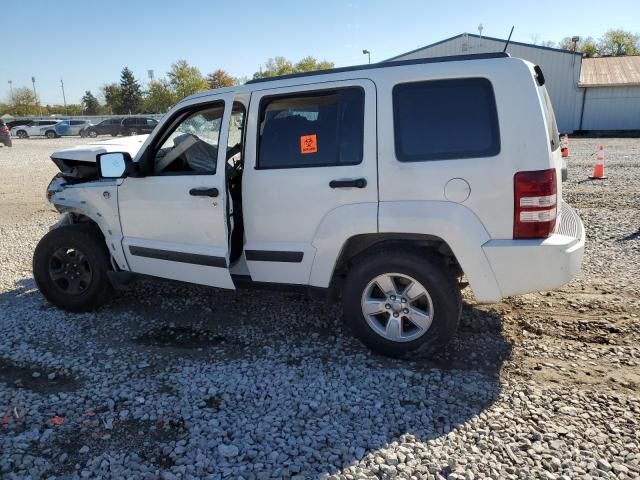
81 196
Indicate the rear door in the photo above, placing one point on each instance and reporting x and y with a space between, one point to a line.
174 220
310 149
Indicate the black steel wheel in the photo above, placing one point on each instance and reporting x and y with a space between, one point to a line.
70 267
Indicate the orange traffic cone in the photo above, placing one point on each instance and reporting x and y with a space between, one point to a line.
564 146
599 168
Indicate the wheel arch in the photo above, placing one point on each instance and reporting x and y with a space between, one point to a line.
95 204
359 246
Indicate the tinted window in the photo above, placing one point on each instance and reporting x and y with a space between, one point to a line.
77 122
312 130
445 119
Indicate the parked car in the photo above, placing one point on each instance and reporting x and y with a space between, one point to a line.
65 128
137 125
35 128
379 186
5 137
110 126
17 123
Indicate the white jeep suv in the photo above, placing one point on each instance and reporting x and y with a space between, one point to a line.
380 186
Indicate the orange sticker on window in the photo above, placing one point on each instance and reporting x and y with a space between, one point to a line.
308 144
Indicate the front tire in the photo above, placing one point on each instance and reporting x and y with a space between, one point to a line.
70 267
50 134
93 134
402 304
21 134
133 132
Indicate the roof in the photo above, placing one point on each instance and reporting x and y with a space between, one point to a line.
450 58
610 72
504 40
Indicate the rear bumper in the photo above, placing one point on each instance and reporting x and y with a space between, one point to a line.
523 266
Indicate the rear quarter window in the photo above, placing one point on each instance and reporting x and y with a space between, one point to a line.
445 119
550 118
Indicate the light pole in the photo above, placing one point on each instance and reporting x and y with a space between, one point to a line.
64 98
367 53
11 87
33 82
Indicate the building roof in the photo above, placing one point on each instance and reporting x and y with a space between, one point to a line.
610 72
504 40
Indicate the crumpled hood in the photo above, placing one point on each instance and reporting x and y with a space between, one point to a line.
88 152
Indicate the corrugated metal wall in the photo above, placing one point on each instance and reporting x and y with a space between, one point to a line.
612 108
561 70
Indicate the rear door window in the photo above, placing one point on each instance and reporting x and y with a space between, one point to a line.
317 129
445 119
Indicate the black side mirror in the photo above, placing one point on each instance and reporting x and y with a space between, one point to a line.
116 165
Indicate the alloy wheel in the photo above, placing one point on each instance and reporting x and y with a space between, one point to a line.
397 307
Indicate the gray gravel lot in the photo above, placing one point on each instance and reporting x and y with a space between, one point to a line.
175 381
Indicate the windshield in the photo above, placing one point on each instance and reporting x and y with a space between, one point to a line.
550 119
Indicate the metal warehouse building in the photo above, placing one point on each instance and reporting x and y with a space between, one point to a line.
611 93
582 99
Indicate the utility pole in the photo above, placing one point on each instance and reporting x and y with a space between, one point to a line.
64 98
11 87
368 54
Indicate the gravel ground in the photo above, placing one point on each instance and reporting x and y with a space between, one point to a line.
182 382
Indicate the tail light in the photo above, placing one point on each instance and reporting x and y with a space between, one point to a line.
535 209
5 129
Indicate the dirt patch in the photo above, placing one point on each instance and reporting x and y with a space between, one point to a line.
180 337
132 436
36 379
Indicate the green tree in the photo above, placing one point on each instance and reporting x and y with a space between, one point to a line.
22 101
586 45
112 97
159 97
220 79
186 80
90 103
281 66
619 42
130 92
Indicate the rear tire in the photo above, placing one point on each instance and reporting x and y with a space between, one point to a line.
133 132
70 267
433 302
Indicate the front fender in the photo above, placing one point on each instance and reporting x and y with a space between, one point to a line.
99 202
458 227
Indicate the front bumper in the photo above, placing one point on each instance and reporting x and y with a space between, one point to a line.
524 266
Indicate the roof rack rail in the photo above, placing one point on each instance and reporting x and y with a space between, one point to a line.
394 63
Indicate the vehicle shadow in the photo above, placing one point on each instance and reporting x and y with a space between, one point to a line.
300 396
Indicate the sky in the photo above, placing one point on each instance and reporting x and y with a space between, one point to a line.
87 42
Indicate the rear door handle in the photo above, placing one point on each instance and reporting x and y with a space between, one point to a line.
355 183
204 192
